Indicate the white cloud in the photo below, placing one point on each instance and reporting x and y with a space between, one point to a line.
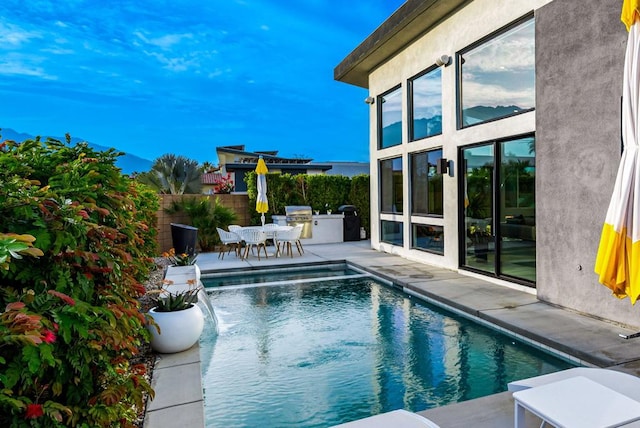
174 64
21 69
58 51
218 72
264 27
164 42
16 36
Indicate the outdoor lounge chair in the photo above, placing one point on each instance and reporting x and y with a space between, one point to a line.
395 419
230 240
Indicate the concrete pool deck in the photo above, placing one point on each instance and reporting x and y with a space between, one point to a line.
585 340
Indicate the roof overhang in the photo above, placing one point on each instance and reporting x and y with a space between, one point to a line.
413 19
279 166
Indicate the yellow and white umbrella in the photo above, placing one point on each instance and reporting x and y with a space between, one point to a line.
618 259
262 204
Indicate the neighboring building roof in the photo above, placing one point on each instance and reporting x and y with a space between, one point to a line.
348 169
271 156
280 166
410 21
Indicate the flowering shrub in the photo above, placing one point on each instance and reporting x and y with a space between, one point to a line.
183 259
71 320
223 184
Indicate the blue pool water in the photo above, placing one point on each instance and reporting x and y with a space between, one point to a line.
320 354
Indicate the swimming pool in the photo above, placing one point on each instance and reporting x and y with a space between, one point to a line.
298 273
317 354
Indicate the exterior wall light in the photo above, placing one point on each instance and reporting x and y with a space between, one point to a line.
443 60
370 100
444 166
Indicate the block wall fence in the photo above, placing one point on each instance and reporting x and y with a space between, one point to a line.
238 203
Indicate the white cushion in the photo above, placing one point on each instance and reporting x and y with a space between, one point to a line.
394 419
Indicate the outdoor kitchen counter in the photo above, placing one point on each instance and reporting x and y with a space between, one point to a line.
326 228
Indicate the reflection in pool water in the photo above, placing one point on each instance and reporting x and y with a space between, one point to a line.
319 354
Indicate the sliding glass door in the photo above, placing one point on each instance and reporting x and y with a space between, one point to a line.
478 189
498 222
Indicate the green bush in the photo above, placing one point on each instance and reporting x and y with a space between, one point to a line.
72 321
359 195
321 192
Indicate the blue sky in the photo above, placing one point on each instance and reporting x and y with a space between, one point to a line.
185 76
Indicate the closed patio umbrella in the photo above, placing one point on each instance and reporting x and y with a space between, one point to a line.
262 204
618 259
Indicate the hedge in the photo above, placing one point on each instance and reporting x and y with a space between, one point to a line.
71 322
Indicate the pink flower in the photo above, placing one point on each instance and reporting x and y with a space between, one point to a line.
33 411
48 336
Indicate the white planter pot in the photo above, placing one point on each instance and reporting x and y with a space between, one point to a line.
187 271
179 330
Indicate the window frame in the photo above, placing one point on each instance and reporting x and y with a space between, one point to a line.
399 224
410 102
426 249
393 194
491 36
379 114
412 186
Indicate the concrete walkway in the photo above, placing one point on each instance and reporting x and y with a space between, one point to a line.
585 340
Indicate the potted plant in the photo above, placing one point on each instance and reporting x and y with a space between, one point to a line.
480 235
177 321
182 263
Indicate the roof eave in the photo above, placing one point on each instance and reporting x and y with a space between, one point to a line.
413 19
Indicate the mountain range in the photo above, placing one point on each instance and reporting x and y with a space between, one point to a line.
128 163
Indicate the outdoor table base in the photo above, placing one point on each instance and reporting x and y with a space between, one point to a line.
576 402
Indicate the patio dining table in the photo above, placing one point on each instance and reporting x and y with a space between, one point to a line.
269 231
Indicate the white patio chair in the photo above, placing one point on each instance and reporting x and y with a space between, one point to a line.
234 228
286 238
270 230
229 240
253 237
298 229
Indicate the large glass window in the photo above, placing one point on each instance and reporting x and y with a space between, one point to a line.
427 237
391 232
391 185
498 76
426 105
426 183
390 118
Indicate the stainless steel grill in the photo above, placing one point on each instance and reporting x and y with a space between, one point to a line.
300 215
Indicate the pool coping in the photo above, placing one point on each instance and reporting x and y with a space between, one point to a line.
591 342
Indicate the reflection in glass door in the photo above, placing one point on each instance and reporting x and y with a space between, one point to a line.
500 224
478 208
517 229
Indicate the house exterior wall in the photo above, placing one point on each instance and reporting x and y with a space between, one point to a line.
579 59
452 35
580 48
